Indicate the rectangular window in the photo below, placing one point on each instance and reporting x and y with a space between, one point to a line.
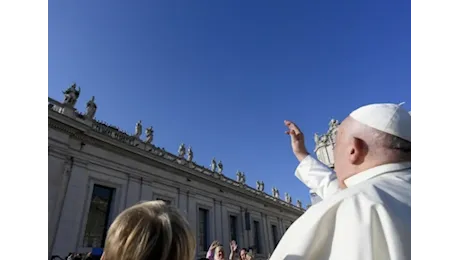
257 237
203 229
98 216
275 235
233 227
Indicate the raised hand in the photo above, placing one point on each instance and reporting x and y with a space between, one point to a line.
214 244
297 140
233 246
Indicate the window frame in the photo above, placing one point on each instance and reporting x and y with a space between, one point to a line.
119 187
108 215
207 231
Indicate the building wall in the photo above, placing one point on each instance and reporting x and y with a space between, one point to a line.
76 164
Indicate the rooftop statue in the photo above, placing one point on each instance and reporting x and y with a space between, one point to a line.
181 151
189 154
149 135
91 108
138 129
71 95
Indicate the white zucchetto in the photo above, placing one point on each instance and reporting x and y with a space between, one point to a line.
388 118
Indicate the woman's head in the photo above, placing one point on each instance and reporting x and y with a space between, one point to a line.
243 253
219 253
149 230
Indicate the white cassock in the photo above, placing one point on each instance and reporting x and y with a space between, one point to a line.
369 220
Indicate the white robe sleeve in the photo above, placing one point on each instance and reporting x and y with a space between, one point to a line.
317 177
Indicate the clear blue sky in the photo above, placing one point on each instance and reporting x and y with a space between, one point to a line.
223 75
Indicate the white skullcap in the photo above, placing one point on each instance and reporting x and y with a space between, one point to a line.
388 118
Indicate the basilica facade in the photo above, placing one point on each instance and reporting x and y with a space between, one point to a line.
96 170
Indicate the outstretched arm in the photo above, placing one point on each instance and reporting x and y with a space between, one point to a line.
317 177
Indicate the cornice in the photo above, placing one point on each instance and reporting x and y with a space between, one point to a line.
110 138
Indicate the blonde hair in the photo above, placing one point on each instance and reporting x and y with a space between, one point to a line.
150 230
216 250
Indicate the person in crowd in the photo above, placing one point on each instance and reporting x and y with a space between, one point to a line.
70 256
216 251
243 252
366 208
211 250
219 253
233 250
78 257
150 230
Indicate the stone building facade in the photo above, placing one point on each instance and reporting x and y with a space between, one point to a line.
95 171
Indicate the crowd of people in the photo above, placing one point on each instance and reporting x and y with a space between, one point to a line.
216 252
77 256
365 212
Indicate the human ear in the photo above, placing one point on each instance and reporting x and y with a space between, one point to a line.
358 151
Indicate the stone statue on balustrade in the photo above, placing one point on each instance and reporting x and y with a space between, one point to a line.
71 95
275 192
333 125
316 139
149 135
213 165
220 167
91 108
287 198
260 185
320 140
299 203
240 177
138 129
189 154
323 140
181 151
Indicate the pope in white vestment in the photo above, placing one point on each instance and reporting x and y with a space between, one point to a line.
366 209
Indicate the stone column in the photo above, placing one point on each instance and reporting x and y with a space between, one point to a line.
250 232
146 190
225 225
281 227
61 169
218 228
67 236
133 192
243 229
266 232
192 213
183 202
